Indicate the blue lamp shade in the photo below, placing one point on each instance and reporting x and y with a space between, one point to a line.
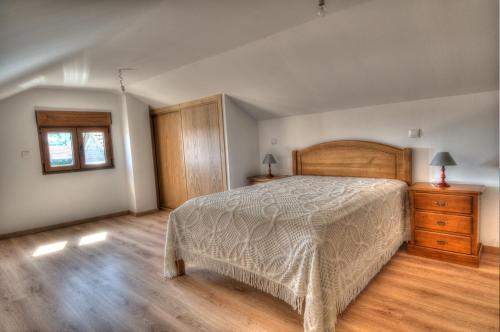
269 159
443 159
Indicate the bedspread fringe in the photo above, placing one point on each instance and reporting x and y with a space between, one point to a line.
373 270
268 286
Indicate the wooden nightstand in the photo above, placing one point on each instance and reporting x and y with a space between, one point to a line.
264 178
445 222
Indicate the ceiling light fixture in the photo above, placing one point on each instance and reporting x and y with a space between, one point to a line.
120 77
321 8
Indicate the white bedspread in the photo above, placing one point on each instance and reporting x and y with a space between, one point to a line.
314 242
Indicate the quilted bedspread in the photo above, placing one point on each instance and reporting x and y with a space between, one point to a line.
312 241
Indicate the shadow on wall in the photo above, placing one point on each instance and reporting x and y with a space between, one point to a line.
491 163
423 172
467 131
257 112
421 158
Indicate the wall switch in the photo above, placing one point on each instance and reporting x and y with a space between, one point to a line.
274 141
25 153
414 133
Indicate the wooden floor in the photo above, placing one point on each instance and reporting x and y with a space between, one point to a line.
116 285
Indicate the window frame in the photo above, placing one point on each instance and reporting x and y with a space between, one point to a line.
107 146
76 122
46 152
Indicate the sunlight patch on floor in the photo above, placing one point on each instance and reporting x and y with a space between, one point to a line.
49 248
92 238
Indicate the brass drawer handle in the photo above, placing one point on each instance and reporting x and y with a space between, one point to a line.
441 223
442 242
440 203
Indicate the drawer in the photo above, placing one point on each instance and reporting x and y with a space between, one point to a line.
448 203
454 243
443 222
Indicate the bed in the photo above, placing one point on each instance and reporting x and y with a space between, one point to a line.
314 240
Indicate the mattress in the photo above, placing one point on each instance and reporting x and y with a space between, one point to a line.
312 241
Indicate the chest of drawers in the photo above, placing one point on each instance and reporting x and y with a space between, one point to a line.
445 222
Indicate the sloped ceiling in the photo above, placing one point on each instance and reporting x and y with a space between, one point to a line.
275 57
82 43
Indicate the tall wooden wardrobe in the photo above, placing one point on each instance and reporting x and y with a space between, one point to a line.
189 150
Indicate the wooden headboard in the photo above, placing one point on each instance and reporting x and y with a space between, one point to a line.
354 158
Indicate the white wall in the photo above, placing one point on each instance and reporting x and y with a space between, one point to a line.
242 144
138 154
29 199
464 125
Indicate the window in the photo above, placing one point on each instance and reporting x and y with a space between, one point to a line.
59 146
94 147
74 141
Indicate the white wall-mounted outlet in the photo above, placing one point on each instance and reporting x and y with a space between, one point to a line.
414 133
274 141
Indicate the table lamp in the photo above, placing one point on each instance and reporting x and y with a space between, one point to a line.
443 159
269 159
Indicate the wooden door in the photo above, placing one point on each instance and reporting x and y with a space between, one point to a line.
203 136
170 159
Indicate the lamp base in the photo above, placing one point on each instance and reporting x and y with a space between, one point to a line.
443 183
269 173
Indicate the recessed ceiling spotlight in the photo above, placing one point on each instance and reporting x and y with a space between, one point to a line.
321 8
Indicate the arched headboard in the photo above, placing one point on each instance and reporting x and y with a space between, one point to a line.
354 158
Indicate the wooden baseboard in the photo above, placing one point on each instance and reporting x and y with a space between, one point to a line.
491 250
61 225
143 213
448 256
